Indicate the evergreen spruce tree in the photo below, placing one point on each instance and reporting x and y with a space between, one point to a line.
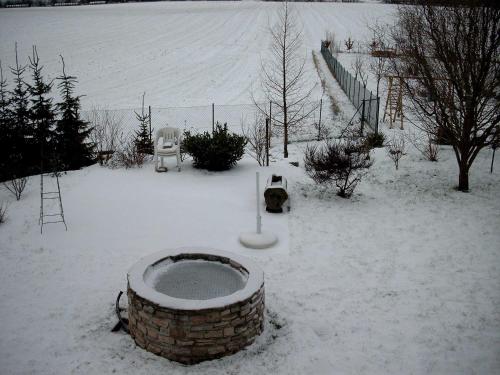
142 141
71 131
5 127
42 115
21 147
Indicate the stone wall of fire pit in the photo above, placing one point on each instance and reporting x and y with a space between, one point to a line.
190 335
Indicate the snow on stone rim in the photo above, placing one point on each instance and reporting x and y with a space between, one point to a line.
141 280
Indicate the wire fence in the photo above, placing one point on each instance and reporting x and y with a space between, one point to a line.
238 118
366 103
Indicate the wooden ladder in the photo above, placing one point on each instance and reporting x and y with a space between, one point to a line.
394 102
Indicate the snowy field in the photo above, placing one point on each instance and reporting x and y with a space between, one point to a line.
401 279
180 54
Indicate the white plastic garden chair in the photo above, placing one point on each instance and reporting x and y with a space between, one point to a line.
170 145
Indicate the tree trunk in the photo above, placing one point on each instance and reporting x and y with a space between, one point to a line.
285 112
463 178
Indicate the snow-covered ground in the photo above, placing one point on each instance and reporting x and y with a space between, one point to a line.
401 279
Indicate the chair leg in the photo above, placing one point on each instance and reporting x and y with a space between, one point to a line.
155 160
178 161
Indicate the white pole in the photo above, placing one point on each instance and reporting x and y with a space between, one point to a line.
258 204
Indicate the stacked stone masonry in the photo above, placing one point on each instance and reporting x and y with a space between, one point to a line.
192 336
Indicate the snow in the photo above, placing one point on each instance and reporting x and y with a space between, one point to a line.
147 272
402 278
179 53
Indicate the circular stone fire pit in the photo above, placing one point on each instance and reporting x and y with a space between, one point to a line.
191 305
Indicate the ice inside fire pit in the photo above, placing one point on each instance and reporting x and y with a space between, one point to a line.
195 279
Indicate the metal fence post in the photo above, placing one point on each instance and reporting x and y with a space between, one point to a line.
349 91
319 122
270 118
213 117
362 118
370 111
378 109
150 130
267 142
354 93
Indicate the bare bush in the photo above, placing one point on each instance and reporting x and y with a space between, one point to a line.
425 144
349 44
3 212
255 133
107 133
127 156
338 163
396 149
16 186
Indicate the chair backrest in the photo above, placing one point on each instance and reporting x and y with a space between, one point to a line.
168 134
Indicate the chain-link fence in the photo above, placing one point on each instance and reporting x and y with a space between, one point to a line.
366 103
317 118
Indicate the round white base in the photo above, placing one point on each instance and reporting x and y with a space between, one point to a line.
255 240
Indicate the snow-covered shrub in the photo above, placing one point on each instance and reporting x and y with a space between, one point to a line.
373 140
3 212
107 133
127 156
341 163
217 151
425 144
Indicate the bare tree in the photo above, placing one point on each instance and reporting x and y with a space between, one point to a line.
452 53
379 65
358 65
396 149
283 77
